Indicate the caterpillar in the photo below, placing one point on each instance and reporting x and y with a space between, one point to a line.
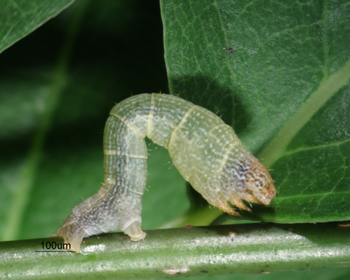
204 149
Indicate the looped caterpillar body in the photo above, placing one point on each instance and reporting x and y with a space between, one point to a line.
204 149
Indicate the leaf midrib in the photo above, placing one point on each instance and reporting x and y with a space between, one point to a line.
318 147
328 88
299 196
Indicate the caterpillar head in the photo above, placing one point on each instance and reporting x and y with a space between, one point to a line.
259 182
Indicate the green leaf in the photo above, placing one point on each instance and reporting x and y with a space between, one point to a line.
279 73
18 18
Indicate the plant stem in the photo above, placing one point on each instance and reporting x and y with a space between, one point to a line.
189 251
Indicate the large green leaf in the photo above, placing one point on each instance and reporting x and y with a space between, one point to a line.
20 17
279 73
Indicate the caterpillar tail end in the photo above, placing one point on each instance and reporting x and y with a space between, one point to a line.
73 235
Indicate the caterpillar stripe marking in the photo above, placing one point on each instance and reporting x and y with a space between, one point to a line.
203 148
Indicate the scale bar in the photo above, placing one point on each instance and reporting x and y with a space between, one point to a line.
55 251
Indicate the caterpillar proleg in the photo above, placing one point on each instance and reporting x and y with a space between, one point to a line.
204 149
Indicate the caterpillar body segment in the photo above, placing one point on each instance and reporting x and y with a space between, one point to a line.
203 148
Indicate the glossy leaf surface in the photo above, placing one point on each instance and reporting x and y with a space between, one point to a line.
279 73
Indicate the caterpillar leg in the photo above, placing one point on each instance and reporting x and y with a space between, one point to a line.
250 198
72 233
222 204
237 201
134 231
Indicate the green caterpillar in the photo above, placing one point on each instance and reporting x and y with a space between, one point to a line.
204 149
